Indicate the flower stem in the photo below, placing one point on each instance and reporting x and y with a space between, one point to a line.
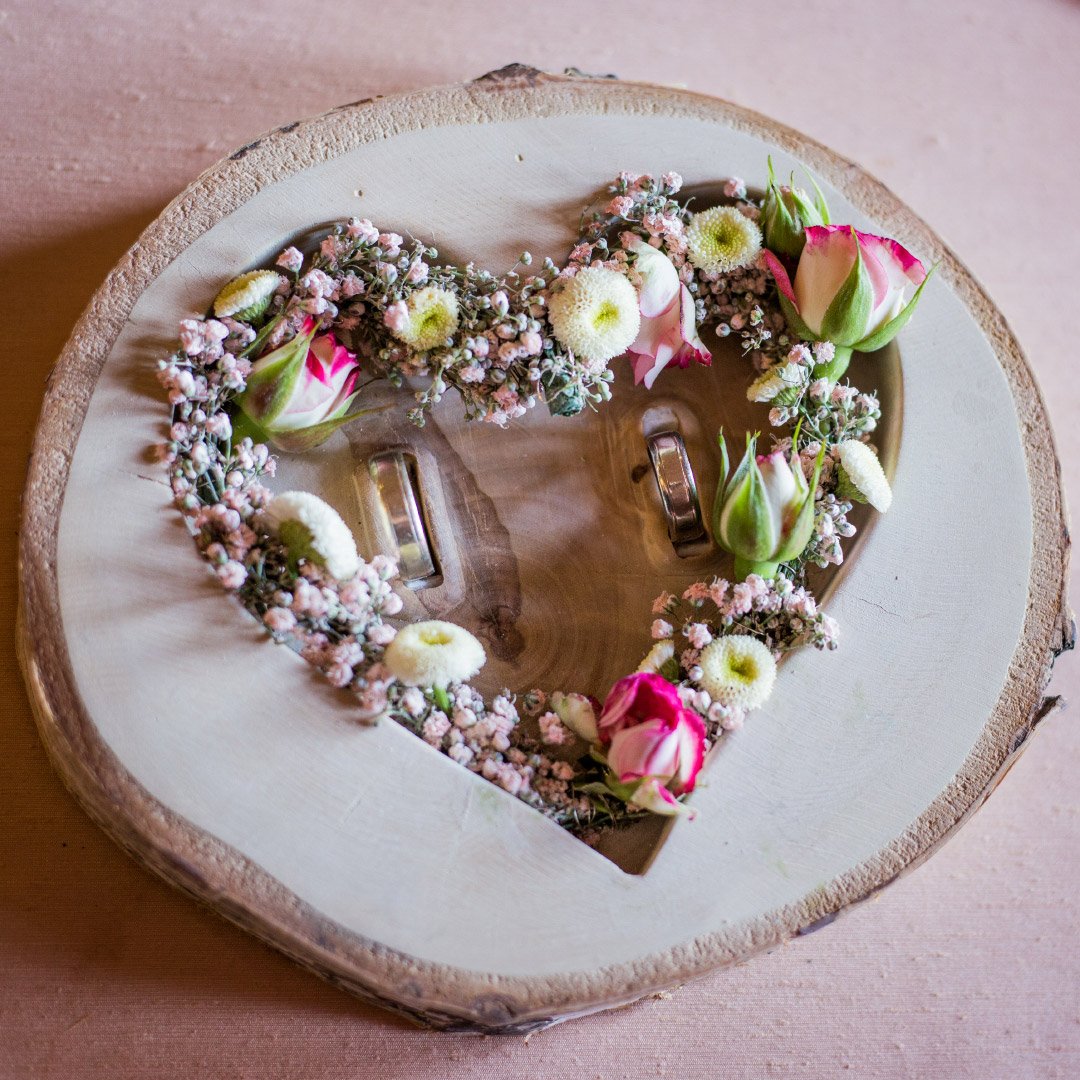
835 368
745 567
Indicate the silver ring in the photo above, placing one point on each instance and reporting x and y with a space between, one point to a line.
394 473
678 489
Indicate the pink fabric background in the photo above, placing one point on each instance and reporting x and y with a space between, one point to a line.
968 110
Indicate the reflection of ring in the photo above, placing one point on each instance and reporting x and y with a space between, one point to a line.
678 490
394 474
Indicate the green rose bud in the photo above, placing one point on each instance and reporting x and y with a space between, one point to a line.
786 214
764 514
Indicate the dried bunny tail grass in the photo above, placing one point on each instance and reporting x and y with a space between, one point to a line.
247 296
658 656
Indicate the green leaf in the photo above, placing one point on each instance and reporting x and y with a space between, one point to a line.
819 200
624 792
260 338
851 306
725 465
670 669
304 439
441 698
594 787
884 334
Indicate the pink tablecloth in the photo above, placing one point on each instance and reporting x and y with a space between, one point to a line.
968 110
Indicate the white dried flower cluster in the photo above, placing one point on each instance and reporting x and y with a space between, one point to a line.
595 313
722 239
861 473
738 671
313 530
434 653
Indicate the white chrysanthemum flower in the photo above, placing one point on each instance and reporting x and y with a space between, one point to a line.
862 477
313 530
722 239
658 656
737 670
595 314
247 296
432 317
434 653
775 382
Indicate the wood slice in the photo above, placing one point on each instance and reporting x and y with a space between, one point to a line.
225 765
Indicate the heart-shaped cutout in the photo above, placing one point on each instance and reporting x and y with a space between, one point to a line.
216 760
552 539
565 531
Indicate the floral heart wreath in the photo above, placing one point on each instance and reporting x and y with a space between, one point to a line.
279 361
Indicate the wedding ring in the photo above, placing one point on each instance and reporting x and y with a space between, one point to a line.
678 490
395 476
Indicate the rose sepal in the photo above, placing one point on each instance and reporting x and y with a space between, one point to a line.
303 439
652 795
272 380
749 527
850 308
786 295
884 334
834 369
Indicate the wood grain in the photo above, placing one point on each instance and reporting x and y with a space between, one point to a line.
197 860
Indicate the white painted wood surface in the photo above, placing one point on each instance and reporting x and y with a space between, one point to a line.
369 856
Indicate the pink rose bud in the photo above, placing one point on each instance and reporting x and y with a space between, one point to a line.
636 698
578 713
651 735
299 394
851 288
668 333
764 513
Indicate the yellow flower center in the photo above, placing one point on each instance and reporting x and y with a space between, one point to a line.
743 668
431 635
607 314
725 236
429 324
